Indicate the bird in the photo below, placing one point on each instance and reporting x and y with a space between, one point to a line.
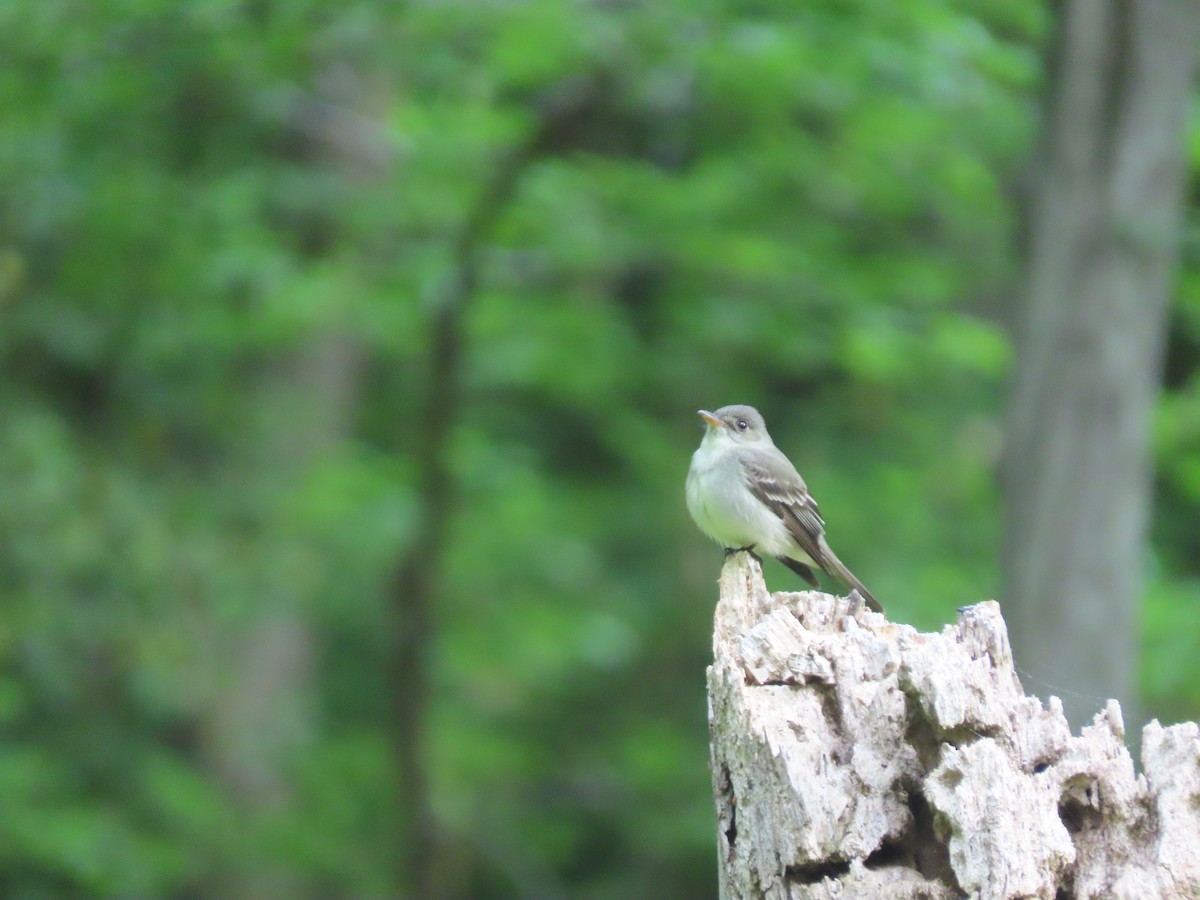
746 495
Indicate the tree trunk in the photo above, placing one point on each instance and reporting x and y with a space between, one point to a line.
853 757
261 715
1103 227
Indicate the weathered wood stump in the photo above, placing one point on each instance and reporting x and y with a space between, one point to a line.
854 757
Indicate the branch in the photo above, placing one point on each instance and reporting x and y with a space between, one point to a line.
414 582
853 757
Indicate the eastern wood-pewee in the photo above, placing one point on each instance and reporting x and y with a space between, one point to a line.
746 495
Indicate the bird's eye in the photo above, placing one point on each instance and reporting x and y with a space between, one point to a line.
742 426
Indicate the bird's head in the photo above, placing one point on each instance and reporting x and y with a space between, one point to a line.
735 424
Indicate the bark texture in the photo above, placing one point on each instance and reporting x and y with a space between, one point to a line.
854 757
1103 229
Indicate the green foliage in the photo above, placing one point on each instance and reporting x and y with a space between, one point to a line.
223 229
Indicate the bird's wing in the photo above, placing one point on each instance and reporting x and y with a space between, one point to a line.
775 481
804 571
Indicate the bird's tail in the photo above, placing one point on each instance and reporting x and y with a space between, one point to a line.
834 567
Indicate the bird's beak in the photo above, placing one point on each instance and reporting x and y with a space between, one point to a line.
710 418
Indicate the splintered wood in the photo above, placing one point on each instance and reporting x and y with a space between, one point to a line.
853 757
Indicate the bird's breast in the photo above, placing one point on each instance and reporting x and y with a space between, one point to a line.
724 508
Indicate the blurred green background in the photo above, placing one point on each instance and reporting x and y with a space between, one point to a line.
281 609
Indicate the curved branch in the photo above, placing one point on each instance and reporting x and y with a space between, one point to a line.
414 582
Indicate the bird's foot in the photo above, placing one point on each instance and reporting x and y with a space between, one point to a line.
729 551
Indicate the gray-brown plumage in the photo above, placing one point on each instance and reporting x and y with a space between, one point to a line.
745 494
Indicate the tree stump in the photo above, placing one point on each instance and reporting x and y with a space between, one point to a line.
854 757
